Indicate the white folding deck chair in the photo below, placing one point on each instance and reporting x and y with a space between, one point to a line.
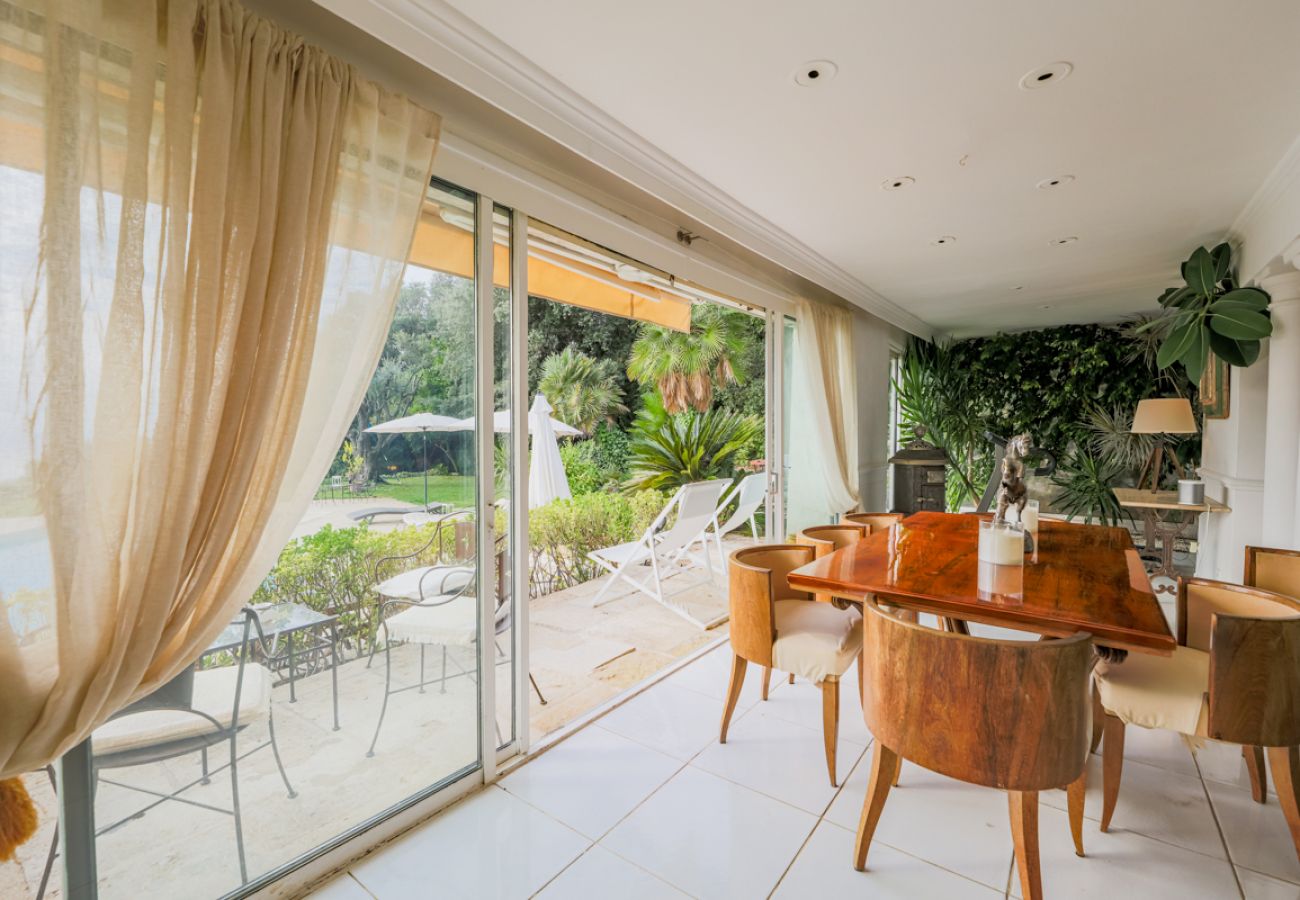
748 495
697 509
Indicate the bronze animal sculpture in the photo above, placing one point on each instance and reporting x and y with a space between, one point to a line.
1012 490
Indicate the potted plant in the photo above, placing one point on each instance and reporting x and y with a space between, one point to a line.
1210 313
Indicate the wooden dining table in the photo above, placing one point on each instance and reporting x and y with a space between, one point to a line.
1083 578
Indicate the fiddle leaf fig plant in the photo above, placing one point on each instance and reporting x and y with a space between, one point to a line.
1209 313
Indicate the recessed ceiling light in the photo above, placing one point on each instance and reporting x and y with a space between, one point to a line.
1048 74
943 240
814 72
1048 184
893 184
1064 240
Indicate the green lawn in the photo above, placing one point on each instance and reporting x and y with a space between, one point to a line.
457 490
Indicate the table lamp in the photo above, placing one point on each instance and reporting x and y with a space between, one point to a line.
1162 415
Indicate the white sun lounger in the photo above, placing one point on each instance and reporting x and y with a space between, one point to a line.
697 507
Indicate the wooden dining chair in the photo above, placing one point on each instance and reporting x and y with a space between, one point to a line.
1273 570
1234 677
875 521
826 539
777 626
1005 714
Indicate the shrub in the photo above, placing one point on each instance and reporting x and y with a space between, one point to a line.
333 571
598 464
564 532
580 468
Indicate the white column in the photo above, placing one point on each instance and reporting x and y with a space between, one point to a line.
1281 525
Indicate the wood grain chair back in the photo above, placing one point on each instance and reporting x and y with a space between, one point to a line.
1200 600
1273 570
876 521
826 539
1005 714
758 577
1253 638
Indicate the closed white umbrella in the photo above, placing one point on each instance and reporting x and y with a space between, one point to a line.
546 478
422 423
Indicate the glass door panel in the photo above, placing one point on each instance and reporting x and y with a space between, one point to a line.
358 671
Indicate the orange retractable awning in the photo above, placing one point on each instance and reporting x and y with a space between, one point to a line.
443 247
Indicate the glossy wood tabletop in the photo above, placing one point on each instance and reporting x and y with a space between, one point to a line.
1086 578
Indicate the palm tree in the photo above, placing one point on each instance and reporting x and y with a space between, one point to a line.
583 391
685 366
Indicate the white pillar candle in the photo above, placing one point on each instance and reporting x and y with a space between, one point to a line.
1001 545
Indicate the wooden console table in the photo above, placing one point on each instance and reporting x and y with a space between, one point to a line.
1156 507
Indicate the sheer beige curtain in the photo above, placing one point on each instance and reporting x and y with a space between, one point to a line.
208 222
824 417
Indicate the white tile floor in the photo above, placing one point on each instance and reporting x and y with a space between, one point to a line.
646 804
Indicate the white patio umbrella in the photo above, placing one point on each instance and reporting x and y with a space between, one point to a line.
546 478
422 423
501 423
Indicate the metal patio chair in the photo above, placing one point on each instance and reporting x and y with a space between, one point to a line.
193 712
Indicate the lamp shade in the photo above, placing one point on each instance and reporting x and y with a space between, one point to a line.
1164 415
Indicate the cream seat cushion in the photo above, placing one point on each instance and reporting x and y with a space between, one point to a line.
814 640
454 622
440 580
1157 691
214 694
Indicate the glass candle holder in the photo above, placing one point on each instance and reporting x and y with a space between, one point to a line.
1028 518
1001 543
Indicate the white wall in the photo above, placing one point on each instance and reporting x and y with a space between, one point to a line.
1236 461
872 341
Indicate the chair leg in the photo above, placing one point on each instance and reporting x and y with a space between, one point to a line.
738 664
1285 763
203 766
884 768
1098 719
1254 757
767 680
1112 767
442 685
1075 795
1024 834
383 708
275 751
444 662
792 678
831 722
239 822
54 841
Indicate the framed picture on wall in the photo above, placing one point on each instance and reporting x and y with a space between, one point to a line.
1214 388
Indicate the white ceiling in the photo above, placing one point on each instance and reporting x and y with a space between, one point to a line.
1175 114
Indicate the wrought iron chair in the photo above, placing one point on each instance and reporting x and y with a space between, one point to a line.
193 712
435 606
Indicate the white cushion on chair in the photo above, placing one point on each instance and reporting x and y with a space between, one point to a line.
814 640
1157 691
214 694
454 623
406 586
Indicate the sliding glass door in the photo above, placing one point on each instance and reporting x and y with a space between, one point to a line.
374 664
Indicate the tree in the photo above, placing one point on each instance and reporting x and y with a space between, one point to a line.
553 327
583 391
686 367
